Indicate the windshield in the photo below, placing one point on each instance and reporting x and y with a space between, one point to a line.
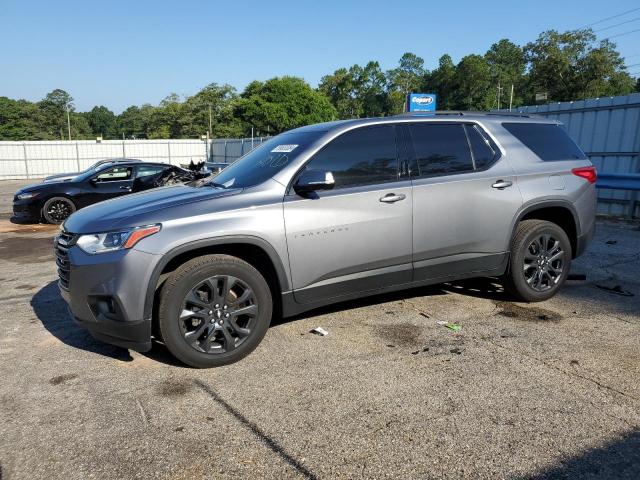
90 172
265 161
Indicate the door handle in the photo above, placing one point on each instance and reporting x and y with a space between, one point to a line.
392 198
502 184
122 187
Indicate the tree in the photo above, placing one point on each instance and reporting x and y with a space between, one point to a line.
134 121
507 64
282 103
473 81
572 66
357 92
442 82
21 120
216 103
54 110
102 121
404 79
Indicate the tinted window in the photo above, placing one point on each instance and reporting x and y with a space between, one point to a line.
264 161
361 157
115 174
440 149
483 152
146 170
548 141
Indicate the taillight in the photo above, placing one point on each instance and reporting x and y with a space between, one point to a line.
588 173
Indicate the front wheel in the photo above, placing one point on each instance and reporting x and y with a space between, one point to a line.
540 261
214 310
57 209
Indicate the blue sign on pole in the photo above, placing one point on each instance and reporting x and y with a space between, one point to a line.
421 102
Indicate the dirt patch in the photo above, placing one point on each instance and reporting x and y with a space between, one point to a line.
7 226
174 388
26 249
530 314
62 378
402 334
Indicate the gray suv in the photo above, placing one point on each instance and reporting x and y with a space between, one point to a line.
326 213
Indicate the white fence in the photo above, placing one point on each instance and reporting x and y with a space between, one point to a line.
42 158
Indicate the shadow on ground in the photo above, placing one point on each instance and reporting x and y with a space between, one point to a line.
619 459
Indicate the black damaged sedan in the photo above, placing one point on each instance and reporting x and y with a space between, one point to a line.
53 202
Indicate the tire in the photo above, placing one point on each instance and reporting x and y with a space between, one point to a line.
205 327
529 256
57 209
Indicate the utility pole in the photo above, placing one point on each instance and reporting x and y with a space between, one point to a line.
511 98
68 121
210 122
499 94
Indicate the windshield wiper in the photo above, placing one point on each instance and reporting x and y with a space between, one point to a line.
216 185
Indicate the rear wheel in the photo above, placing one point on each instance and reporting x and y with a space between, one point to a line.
214 310
57 209
540 261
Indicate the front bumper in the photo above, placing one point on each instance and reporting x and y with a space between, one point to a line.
106 294
26 210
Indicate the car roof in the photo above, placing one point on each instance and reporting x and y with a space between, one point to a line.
438 116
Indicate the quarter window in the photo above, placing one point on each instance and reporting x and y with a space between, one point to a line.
146 170
363 156
548 141
440 149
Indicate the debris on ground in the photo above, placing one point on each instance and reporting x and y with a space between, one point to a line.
611 242
617 290
456 327
577 276
319 331
424 315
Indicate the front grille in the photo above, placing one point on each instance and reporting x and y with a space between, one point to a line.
62 243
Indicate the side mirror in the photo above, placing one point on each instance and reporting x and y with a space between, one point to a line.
94 180
314 180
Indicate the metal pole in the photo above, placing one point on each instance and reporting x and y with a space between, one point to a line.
169 151
225 151
511 98
251 138
498 94
210 122
26 163
78 157
68 122
123 154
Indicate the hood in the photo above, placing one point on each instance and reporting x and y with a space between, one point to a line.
61 177
153 206
34 188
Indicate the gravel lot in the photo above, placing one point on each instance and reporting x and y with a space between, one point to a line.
549 390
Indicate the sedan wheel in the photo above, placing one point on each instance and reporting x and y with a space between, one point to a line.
57 209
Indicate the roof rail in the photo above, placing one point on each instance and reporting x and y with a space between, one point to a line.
461 113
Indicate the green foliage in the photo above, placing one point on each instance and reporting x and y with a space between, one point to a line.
566 66
282 103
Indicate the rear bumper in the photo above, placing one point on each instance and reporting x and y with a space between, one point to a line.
106 295
584 240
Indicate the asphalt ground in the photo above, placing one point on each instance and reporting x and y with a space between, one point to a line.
548 390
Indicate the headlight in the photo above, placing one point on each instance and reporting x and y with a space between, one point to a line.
111 241
27 196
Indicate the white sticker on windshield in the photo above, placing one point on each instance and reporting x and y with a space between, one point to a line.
284 148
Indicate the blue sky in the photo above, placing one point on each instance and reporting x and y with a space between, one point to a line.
119 53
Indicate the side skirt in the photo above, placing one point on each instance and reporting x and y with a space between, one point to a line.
290 307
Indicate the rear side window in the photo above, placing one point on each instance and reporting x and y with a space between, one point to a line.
484 153
440 149
550 142
146 170
360 157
